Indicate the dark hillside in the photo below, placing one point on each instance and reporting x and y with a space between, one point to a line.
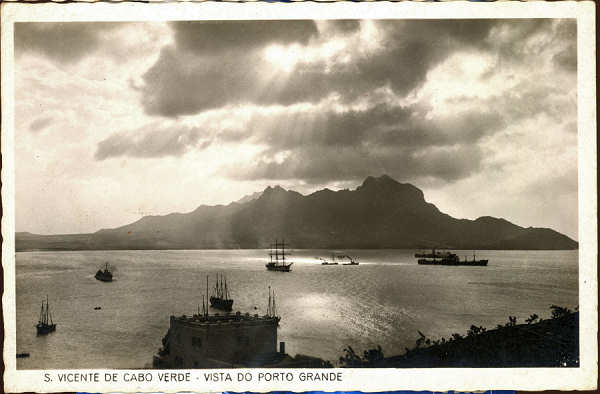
380 213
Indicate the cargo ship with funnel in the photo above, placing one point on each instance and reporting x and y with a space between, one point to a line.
451 259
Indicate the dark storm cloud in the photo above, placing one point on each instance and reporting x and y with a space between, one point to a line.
64 42
320 145
323 143
180 84
150 142
567 58
214 64
211 37
566 35
383 139
40 124
380 125
321 165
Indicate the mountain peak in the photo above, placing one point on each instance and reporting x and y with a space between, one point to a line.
274 189
388 185
381 180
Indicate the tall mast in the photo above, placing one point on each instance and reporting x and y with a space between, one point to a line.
48 310
206 310
274 309
269 307
41 312
226 292
46 315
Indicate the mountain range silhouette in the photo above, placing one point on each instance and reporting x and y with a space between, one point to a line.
380 213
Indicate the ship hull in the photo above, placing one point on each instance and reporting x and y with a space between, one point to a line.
220 303
279 267
45 329
475 263
103 277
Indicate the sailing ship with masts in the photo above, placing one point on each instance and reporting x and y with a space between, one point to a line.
45 324
220 298
277 258
105 275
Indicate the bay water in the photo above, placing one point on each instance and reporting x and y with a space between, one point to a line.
383 301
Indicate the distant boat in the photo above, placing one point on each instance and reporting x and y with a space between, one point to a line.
104 275
351 260
453 259
97 308
277 258
326 262
45 324
220 298
22 355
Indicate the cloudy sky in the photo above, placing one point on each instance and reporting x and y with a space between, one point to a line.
119 120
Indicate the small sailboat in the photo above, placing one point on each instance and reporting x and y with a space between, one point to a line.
104 275
220 298
45 324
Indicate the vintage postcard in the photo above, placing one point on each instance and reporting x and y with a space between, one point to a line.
354 196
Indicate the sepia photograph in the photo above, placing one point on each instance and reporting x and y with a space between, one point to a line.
314 193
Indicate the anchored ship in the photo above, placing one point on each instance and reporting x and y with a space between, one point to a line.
327 262
351 260
220 298
45 324
452 259
277 258
104 275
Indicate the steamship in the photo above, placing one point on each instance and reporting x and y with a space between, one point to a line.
452 259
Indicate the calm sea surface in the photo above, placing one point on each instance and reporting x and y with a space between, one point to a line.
383 301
